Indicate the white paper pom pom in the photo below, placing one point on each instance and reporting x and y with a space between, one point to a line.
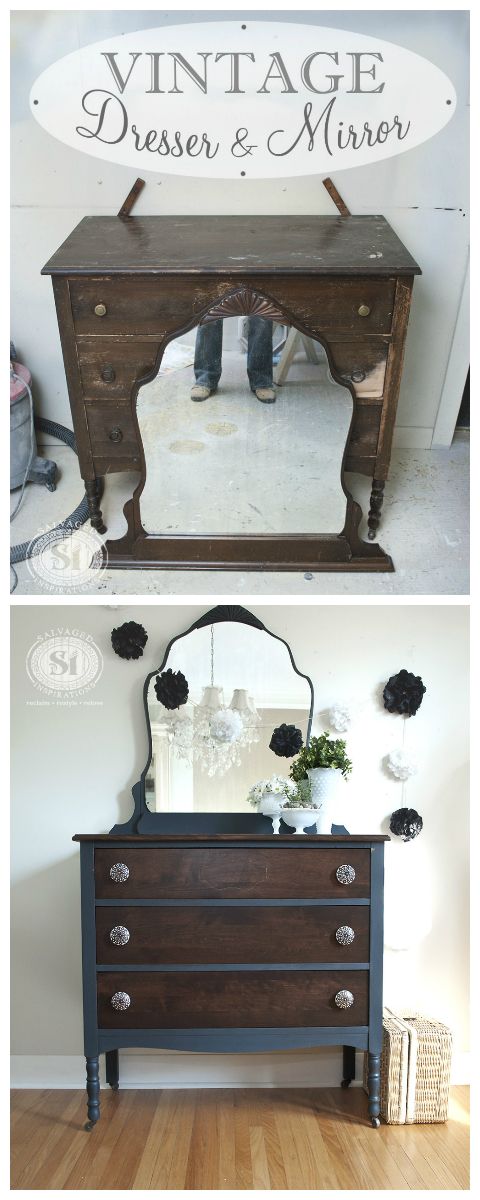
400 765
339 717
226 725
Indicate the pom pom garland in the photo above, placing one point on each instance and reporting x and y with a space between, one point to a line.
404 693
406 823
129 639
286 740
400 765
171 688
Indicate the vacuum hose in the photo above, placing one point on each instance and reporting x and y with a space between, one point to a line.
77 517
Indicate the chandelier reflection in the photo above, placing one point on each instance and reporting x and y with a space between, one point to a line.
215 736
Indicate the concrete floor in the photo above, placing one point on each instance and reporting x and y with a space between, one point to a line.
424 527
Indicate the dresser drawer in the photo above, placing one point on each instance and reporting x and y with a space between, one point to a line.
232 935
111 428
110 368
230 999
230 873
132 306
339 304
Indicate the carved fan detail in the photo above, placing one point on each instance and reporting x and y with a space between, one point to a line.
244 303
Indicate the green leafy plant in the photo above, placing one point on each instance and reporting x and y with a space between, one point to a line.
299 795
322 751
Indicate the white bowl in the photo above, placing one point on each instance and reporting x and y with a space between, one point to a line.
299 819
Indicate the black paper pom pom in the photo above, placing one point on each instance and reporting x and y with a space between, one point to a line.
406 823
286 740
171 689
404 693
129 640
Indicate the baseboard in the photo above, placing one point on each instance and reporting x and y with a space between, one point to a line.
174 1070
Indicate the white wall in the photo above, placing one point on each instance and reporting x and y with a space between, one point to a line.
73 768
423 193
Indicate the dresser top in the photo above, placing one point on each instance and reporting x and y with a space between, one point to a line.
218 245
136 839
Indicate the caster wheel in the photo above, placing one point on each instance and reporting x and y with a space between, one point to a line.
375 1122
371 535
89 1126
345 1083
114 1087
51 487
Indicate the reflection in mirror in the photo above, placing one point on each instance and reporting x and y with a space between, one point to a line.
207 754
232 464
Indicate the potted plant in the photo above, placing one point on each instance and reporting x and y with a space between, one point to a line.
298 811
322 762
268 796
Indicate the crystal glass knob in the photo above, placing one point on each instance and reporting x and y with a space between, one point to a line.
119 872
119 935
100 310
345 873
364 310
345 935
121 1001
343 999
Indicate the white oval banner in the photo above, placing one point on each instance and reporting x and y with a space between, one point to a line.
260 99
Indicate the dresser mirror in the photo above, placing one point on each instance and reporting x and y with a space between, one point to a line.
205 754
232 464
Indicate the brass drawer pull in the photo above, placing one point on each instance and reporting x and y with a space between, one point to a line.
119 872
121 1001
345 873
108 373
345 935
116 434
100 310
364 310
119 935
343 999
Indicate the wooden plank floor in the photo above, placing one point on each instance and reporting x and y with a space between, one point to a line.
242 1139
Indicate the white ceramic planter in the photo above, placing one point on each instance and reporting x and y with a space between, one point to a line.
272 806
299 819
323 787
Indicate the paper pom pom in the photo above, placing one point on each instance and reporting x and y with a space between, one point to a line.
406 823
171 688
286 740
129 640
226 725
400 765
339 717
404 693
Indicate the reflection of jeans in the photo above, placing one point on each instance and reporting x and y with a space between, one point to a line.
208 353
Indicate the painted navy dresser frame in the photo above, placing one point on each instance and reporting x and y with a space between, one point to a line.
232 1040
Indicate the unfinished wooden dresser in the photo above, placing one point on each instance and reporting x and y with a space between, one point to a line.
125 286
231 943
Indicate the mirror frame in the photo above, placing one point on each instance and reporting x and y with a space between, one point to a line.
142 820
344 551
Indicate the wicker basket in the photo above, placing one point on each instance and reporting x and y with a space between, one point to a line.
415 1070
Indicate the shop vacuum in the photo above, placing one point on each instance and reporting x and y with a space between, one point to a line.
25 464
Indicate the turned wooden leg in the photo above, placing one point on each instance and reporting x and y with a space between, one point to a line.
111 1065
93 490
374 1089
376 501
348 1065
93 1092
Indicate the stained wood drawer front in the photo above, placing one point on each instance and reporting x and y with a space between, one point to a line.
363 364
233 935
111 429
338 302
231 873
110 368
231 999
132 306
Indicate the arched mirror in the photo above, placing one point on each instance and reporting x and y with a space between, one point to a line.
211 708
234 464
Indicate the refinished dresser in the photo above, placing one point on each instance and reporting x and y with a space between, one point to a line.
231 943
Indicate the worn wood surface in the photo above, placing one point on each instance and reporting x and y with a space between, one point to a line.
271 1139
231 999
237 873
318 839
315 245
233 935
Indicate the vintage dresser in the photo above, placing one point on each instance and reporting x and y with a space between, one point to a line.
230 943
124 286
